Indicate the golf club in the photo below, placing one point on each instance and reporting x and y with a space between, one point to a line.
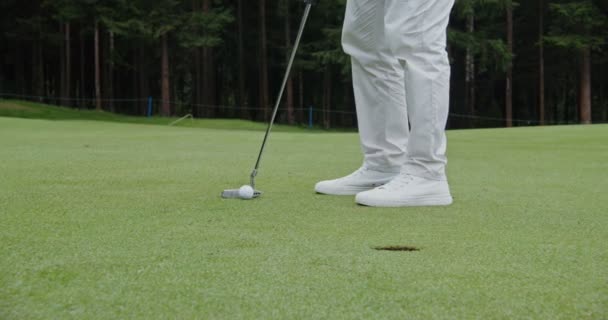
248 191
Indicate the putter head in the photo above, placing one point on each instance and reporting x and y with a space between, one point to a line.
234 194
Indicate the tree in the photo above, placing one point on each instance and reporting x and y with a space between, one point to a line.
486 51
263 61
541 62
195 53
466 10
579 27
208 71
33 29
201 31
509 79
153 21
328 57
241 96
65 12
289 89
602 5
97 70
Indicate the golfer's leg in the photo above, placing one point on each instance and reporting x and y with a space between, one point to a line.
378 86
417 30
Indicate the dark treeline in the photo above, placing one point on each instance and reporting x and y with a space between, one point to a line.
514 63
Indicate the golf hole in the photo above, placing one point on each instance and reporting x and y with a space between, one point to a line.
397 248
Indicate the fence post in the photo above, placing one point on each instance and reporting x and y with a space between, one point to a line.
310 117
149 107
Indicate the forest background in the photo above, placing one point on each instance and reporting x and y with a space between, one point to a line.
532 62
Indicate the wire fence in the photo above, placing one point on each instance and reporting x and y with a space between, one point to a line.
310 116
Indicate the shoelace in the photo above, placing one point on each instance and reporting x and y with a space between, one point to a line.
399 182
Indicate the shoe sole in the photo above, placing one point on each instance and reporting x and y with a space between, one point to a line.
344 191
412 202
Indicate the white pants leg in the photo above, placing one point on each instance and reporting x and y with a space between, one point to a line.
401 43
378 86
417 34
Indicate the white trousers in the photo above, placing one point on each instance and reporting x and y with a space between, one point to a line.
401 81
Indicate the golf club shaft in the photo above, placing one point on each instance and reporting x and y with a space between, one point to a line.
278 101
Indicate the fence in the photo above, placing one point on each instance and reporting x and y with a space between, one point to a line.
309 116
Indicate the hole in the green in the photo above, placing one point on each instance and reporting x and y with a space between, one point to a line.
397 248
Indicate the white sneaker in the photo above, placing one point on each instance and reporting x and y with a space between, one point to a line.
361 180
407 190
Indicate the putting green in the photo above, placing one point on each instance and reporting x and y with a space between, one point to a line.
106 220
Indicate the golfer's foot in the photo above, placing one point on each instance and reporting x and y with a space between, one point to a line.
361 180
407 191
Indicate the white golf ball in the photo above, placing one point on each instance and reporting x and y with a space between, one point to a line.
246 192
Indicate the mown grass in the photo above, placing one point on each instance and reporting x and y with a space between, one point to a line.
32 110
104 220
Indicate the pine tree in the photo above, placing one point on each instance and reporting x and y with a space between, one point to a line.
582 28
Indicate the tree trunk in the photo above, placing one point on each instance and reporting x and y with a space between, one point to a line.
81 86
68 65
136 108
62 67
198 83
38 71
196 52
208 72
197 98
348 102
509 79
470 71
301 96
104 50
110 76
143 79
327 93
289 102
97 70
585 87
541 63
241 56
263 62
165 87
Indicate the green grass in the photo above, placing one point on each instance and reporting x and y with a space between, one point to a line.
121 221
31 110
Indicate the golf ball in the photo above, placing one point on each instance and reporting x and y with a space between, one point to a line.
246 192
